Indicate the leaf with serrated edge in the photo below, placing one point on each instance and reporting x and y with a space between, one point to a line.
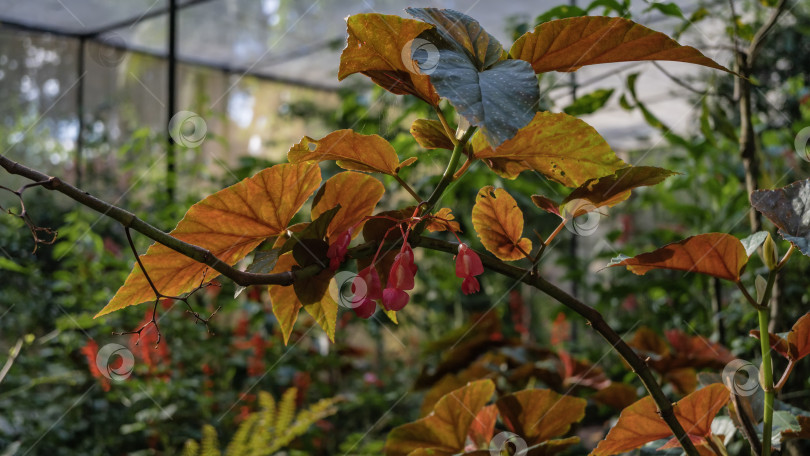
716 254
445 430
375 48
351 150
499 224
640 423
464 32
789 209
356 193
561 147
569 44
230 224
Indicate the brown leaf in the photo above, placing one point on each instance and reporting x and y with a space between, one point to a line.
561 147
569 44
640 423
611 190
546 204
617 395
356 193
351 150
445 218
499 224
230 223
716 254
375 48
430 134
445 430
789 209
538 415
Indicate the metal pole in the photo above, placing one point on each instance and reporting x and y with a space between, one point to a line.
80 111
171 171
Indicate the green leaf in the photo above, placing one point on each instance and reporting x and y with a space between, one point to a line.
499 96
263 262
669 9
752 242
589 103
561 12
9 265
315 230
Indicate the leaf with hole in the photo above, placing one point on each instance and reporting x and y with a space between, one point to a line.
498 221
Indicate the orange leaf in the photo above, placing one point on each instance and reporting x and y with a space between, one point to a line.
569 44
230 224
351 150
499 223
538 415
483 426
357 195
430 134
378 46
648 342
640 423
716 254
795 345
561 147
447 218
612 190
444 431
286 304
616 395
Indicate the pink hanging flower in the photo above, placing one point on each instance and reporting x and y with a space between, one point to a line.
337 251
394 299
365 308
366 288
403 270
468 265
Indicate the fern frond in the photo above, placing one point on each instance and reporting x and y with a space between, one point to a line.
210 442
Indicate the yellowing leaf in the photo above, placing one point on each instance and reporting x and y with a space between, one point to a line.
351 150
716 254
444 219
568 44
561 147
356 193
499 224
640 422
430 134
286 304
615 188
538 415
230 224
377 46
443 432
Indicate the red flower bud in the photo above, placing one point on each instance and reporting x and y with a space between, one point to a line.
402 272
394 299
365 309
468 265
337 251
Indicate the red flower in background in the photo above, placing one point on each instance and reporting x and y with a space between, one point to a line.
337 251
90 351
468 265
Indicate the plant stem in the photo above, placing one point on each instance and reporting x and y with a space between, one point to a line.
447 177
766 376
450 133
408 188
